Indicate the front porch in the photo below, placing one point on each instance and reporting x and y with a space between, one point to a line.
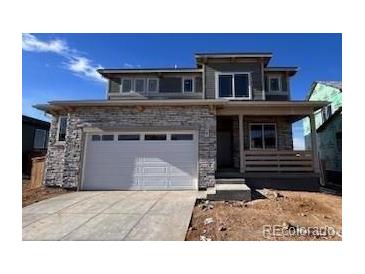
260 147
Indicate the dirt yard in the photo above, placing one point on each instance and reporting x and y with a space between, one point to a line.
34 195
273 215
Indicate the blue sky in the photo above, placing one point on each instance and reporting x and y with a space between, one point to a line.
62 66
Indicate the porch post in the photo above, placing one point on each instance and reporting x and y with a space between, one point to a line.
240 128
314 142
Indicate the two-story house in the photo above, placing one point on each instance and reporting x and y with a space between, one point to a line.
329 128
181 128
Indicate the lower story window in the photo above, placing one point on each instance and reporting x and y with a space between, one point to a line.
40 139
262 136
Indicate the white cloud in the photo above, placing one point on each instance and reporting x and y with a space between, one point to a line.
82 66
32 43
127 65
76 63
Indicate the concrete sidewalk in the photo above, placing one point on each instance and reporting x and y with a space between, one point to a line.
110 215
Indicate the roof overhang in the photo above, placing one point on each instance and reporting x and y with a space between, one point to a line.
224 107
202 58
291 71
108 72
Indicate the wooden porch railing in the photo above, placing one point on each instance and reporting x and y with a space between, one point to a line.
277 161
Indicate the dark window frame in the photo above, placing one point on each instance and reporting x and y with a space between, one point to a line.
61 132
262 125
233 92
191 79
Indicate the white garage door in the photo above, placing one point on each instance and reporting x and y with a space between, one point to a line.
140 161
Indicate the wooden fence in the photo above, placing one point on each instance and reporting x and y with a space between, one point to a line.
278 161
37 174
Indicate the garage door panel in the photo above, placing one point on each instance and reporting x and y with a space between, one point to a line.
154 170
140 165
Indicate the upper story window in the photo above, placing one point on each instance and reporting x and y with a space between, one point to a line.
62 125
140 85
126 85
152 85
40 138
274 83
188 85
234 85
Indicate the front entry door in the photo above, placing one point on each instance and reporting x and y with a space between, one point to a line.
224 149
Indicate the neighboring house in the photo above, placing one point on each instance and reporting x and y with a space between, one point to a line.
35 140
329 127
181 128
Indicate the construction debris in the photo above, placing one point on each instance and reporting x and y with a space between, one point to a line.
204 238
208 221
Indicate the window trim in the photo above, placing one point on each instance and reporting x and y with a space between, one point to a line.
121 85
58 129
217 74
157 85
144 85
269 77
45 138
263 136
192 84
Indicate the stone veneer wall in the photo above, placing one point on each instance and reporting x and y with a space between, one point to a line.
64 161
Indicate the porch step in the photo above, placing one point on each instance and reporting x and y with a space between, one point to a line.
227 190
230 181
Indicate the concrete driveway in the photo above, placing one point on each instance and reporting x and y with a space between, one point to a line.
110 215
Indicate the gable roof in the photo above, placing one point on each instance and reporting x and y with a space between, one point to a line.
333 84
290 70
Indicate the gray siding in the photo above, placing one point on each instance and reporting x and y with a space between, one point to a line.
254 68
170 87
114 85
